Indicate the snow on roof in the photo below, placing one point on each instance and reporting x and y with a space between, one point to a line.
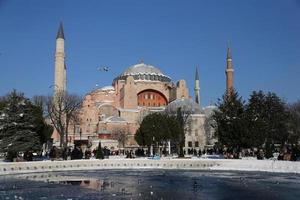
145 72
109 87
115 119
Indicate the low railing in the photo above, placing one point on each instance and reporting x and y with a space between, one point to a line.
176 164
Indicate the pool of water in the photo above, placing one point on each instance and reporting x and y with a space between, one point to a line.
150 184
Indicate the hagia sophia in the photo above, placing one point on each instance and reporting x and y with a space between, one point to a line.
140 89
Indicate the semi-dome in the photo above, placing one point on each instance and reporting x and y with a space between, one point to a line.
186 105
144 72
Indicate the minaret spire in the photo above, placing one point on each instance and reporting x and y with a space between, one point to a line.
229 72
197 87
60 67
60 33
228 51
196 74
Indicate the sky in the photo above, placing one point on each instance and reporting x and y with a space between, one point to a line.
174 36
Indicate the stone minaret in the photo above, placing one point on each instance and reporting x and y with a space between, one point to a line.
197 87
60 82
229 73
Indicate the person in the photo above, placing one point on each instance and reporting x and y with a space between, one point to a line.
260 155
87 154
28 155
53 153
66 153
106 152
129 154
76 153
280 156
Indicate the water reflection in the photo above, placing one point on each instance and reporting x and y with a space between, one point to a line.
156 184
84 182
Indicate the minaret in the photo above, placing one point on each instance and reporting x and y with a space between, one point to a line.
229 72
65 77
60 67
197 87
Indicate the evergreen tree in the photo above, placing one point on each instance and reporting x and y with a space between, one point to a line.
19 126
261 123
157 128
268 119
182 115
257 124
99 152
277 118
45 130
2 102
294 123
230 123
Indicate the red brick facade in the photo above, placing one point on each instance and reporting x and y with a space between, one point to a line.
151 98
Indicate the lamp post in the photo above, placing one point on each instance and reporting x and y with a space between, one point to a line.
169 147
152 148
80 133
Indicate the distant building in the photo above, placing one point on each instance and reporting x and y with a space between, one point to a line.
139 90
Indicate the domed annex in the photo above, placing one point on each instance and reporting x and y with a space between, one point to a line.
195 137
186 105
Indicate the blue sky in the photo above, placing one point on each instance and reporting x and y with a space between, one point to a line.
175 36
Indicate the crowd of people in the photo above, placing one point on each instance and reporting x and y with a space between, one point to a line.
55 153
75 153
287 153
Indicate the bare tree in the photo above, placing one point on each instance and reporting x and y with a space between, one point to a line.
209 125
62 109
119 134
40 101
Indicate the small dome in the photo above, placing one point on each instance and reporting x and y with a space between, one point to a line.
144 72
187 105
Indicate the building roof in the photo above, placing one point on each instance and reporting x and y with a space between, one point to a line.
144 72
186 105
142 68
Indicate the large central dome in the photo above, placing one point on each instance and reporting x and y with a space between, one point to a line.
144 72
